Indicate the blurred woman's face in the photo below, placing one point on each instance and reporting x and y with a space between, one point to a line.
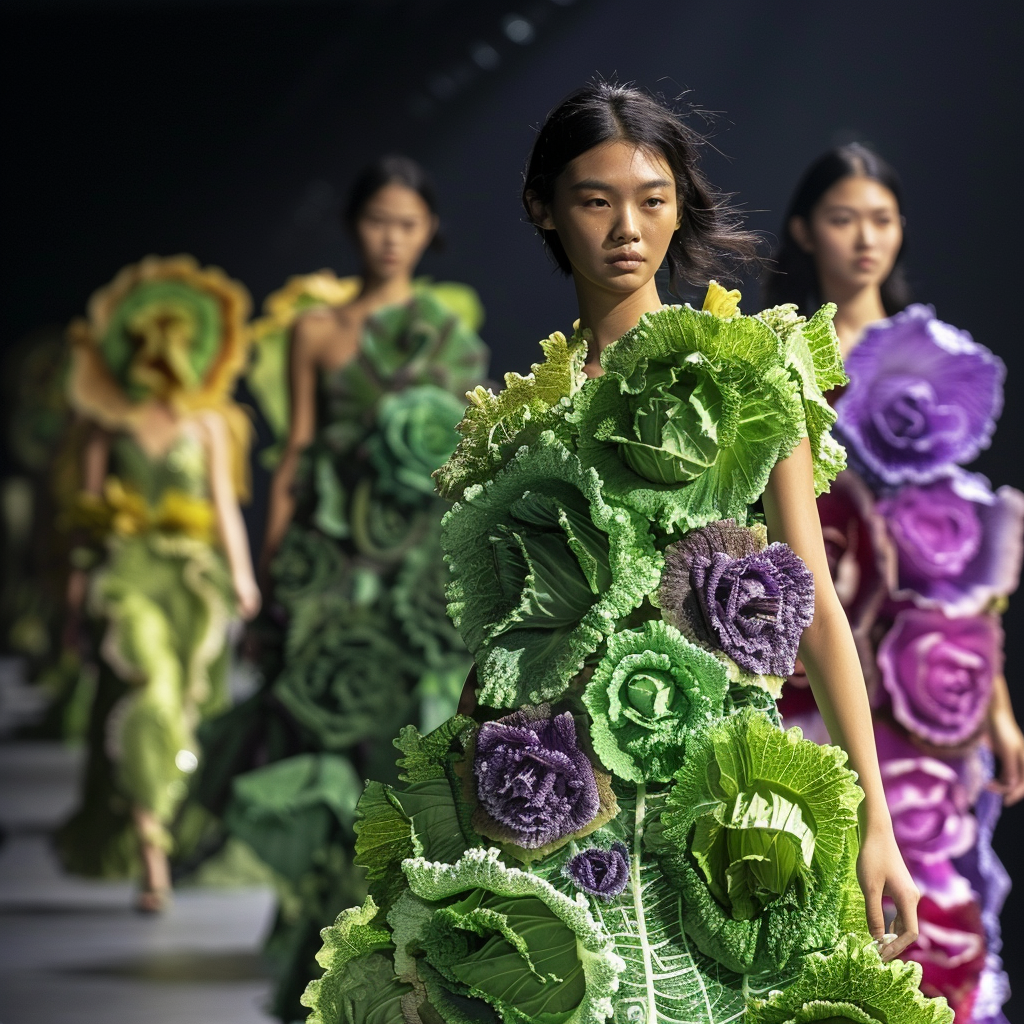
854 234
394 229
615 211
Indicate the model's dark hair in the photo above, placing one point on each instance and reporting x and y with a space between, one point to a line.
389 170
794 277
710 238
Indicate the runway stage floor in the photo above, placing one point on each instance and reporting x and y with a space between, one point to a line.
74 952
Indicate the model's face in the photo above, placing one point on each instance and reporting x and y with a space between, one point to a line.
394 229
615 210
854 234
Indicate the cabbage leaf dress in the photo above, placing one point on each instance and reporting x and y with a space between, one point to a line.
355 640
619 829
160 596
924 555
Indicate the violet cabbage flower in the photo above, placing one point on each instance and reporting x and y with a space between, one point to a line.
959 545
939 672
601 873
922 395
535 786
722 588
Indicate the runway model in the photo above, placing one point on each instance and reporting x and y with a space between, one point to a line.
355 643
168 566
615 826
924 556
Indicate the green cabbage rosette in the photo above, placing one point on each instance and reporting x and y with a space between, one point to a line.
851 984
542 569
496 426
476 935
810 351
650 691
359 985
414 436
347 675
305 565
420 604
690 417
760 841
421 342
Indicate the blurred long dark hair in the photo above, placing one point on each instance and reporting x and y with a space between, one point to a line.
794 277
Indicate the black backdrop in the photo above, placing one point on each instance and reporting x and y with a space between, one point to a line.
230 130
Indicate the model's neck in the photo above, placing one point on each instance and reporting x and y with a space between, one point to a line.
857 308
380 291
609 315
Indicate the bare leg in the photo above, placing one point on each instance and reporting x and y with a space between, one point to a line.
156 873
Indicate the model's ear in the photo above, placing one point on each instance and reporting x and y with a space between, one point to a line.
801 233
540 213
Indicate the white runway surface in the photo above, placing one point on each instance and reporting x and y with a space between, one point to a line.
74 952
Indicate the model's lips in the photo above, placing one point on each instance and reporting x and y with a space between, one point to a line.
628 260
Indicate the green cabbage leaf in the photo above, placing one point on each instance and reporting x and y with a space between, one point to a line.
542 571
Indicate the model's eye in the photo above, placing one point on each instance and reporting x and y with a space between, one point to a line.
596 201
655 201
840 221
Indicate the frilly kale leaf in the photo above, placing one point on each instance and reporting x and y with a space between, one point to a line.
760 841
810 349
542 570
510 939
852 984
359 985
495 426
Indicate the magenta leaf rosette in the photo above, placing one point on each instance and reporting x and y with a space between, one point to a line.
930 807
938 672
724 589
922 395
959 545
861 556
534 785
950 948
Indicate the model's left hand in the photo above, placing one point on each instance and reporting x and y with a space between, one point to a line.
1008 746
881 872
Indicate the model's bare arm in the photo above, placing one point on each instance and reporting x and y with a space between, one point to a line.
829 655
1007 743
229 515
306 344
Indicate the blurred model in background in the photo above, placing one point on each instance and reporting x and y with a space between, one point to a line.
924 555
355 642
162 565
42 455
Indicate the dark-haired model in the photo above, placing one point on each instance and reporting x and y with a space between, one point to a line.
924 556
616 827
355 643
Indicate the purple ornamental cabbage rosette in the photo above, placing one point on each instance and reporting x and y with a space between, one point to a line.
723 589
922 396
534 786
939 672
959 545
599 872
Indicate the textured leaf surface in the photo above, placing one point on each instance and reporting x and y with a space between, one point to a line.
495 426
741 757
666 980
852 984
523 546
749 418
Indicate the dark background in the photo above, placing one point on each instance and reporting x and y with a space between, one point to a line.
231 129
